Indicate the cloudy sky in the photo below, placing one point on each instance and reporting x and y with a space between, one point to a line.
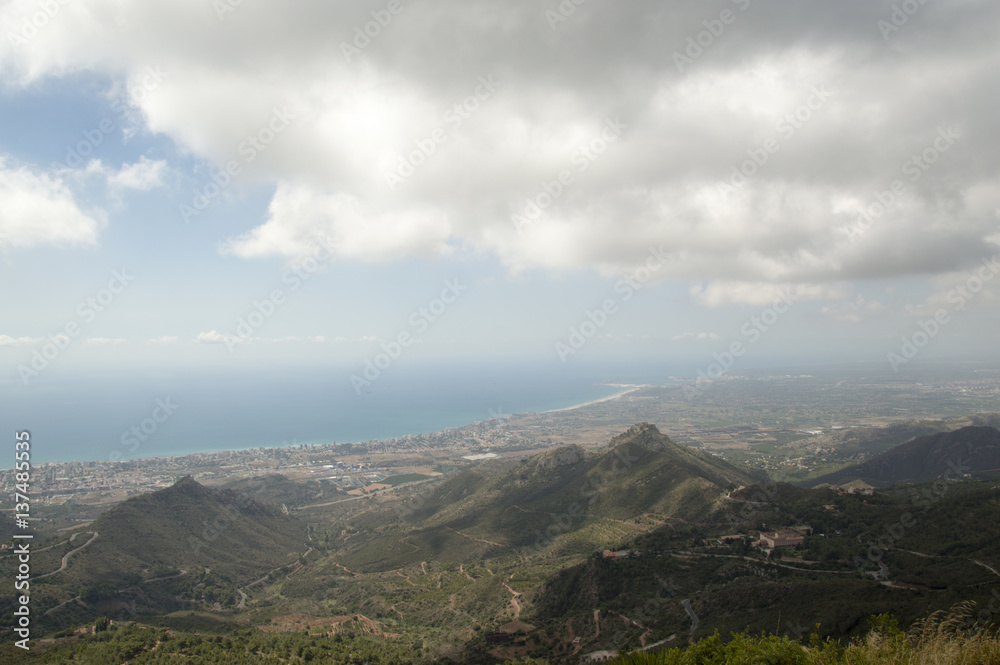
215 182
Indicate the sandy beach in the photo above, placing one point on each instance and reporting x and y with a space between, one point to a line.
630 389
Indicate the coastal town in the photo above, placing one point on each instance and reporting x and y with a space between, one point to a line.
787 443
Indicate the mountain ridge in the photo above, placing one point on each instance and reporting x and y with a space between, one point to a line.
973 450
187 525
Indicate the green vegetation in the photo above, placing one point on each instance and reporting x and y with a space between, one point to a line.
942 638
158 553
146 645
505 560
937 640
972 450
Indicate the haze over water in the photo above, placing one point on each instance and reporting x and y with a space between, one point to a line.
85 418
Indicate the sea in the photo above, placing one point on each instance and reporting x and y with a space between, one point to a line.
96 416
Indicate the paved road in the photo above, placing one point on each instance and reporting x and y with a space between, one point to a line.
66 557
182 573
694 619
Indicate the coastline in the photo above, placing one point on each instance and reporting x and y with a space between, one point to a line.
630 389
219 450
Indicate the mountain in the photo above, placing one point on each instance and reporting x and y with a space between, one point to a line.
184 527
861 560
7 528
557 555
561 501
974 450
278 490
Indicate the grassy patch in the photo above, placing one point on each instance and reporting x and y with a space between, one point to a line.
405 478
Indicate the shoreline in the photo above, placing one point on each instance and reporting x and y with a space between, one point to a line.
630 389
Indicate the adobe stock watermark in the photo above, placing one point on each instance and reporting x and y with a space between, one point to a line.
914 167
92 138
415 500
786 128
566 8
146 428
643 615
928 329
224 7
36 22
87 310
627 286
753 330
225 516
550 190
364 35
700 42
577 511
924 498
985 615
746 516
263 310
899 17
406 165
498 420
420 320
248 149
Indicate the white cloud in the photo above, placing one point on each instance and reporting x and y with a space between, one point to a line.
720 293
38 209
7 340
212 337
655 184
298 215
701 336
166 339
215 337
142 175
104 341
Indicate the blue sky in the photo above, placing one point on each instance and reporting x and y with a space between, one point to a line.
535 157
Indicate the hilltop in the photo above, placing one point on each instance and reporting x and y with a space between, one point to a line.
157 552
561 501
277 490
187 525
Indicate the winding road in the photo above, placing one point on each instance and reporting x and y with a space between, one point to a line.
694 618
66 557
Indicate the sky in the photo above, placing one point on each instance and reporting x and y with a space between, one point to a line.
241 185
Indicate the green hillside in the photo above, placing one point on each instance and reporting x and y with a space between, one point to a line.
188 525
972 450
640 544
180 547
561 501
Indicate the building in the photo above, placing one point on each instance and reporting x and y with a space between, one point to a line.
782 538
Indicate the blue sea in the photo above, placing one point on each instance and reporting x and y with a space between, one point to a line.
90 415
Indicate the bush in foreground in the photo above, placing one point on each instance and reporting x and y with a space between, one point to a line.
940 639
